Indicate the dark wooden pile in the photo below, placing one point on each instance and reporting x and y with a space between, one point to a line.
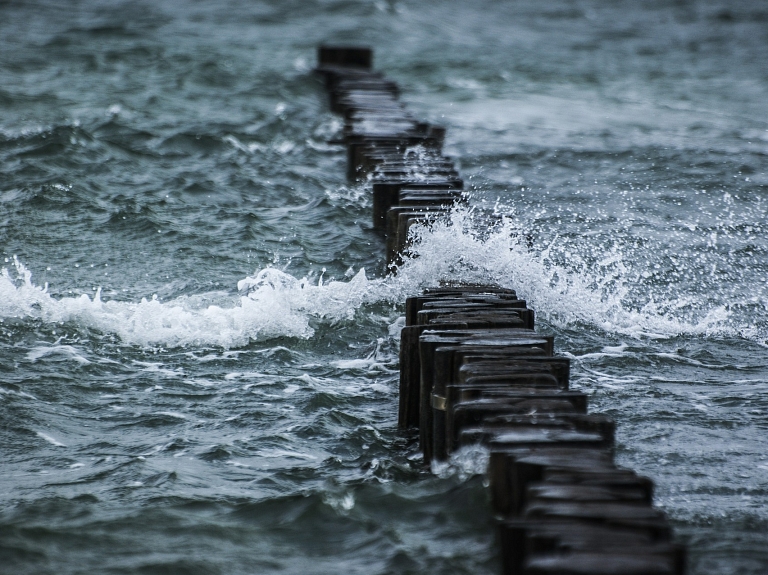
400 157
473 370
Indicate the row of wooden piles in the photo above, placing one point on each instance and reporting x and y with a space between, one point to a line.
473 370
399 156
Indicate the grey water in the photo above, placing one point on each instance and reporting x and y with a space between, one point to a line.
198 336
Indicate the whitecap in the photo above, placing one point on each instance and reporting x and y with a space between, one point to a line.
50 439
272 303
457 249
67 351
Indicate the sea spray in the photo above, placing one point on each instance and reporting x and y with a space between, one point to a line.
563 294
272 303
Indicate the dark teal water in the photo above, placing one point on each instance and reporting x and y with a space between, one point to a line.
198 342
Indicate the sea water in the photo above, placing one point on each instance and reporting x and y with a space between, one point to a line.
198 335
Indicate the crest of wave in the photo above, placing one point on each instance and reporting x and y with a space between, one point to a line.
271 304
462 248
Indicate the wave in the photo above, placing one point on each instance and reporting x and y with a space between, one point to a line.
272 303
564 294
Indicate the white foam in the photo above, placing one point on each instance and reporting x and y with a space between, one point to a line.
562 295
4 391
467 461
50 439
272 303
343 504
67 351
377 360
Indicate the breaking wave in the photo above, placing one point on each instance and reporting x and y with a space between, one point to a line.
272 303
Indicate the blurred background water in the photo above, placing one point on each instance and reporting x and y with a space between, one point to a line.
198 342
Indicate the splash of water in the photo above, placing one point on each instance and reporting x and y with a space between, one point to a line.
272 303
562 294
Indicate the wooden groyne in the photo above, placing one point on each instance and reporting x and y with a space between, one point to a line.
474 370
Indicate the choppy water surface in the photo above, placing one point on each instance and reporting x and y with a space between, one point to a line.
198 343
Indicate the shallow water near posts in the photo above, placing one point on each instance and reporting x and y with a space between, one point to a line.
198 340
